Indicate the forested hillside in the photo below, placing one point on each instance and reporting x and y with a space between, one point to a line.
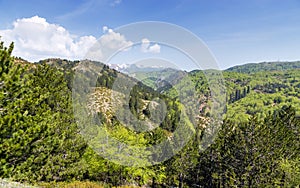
265 66
257 144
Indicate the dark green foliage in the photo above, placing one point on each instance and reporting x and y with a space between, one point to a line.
250 154
39 140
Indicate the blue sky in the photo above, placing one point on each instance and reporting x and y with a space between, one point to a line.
236 31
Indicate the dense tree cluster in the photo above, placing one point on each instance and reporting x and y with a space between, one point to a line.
39 139
252 154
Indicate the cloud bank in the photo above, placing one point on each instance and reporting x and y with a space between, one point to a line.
36 39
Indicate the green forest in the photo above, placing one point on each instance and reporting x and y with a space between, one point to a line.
257 144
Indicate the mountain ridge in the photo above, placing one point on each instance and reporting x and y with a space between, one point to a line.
265 66
132 68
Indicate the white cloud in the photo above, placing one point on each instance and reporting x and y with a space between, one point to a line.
154 48
145 45
37 39
110 31
108 44
113 40
104 29
147 48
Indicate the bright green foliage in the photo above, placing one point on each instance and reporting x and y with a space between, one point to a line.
291 173
264 93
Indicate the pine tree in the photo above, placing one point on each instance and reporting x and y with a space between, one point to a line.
39 139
